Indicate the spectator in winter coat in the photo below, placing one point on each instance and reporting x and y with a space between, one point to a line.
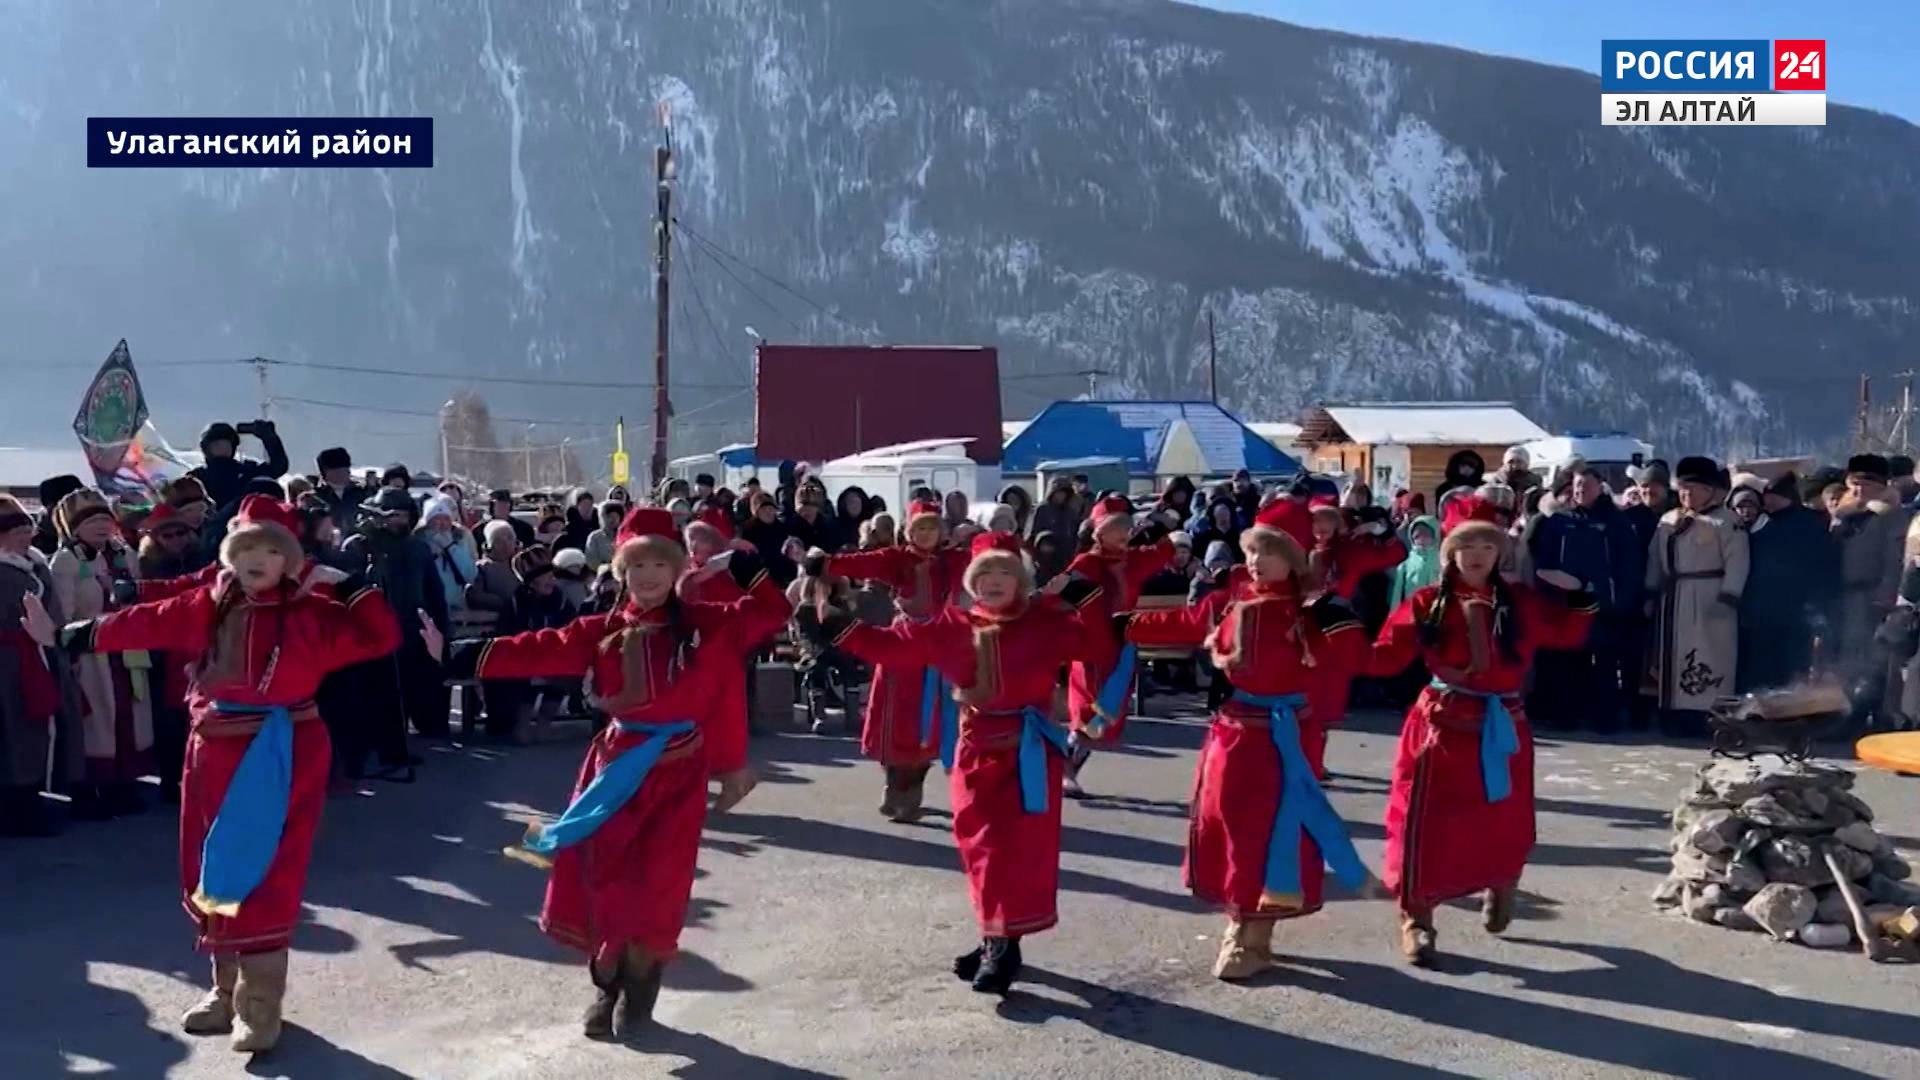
1056 517
1022 502
1177 498
956 510
337 490
224 476
1214 572
769 535
1592 540
582 519
878 532
1246 498
850 511
599 545
574 578
494 583
1516 471
500 508
1793 578
1464 469
1176 579
446 541
1421 567
1221 524
1870 529
810 522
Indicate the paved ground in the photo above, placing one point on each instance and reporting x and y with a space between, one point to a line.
821 934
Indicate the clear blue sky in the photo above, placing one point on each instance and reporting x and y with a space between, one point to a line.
1872 45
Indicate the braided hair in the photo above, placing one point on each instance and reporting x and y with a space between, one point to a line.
1506 615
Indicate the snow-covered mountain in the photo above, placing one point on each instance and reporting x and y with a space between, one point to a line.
1077 181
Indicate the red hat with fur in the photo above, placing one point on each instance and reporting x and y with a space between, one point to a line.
1109 508
1468 508
1289 516
265 519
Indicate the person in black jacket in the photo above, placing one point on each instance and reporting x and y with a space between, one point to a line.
389 554
337 490
225 475
1592 540
500 508
1466 469
1793 572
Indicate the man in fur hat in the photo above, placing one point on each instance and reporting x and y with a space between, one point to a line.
1870 529
1696 573
337 489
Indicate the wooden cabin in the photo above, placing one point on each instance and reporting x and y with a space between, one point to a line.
1395 445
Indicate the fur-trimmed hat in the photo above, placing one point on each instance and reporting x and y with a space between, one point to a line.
1288 515
1109 508
335 457
649 530
268 520
531 563
184 492
996 551
924 508
1467 510
1469 532
76 507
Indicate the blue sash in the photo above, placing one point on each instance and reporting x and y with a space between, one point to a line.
1499 741
245 833
1114 691
1036 734
1304 809
607 792
937 693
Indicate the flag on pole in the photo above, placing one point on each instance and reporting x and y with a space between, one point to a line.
128 457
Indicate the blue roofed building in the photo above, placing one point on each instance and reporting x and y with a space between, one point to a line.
1151 440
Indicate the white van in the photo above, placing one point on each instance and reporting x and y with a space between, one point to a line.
892 472
1611 452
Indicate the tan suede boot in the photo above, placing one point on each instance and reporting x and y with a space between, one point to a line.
1417 938
906 801
1496 909
214 1014
257 997
1245 951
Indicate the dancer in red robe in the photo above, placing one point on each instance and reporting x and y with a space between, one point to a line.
256 767
1005 654
1460 814
623 853
1262 830
1100 686
906 728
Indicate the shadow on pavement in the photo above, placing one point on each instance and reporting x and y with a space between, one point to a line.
1593 1036
1202 1036
714 1060
829 838
306 1055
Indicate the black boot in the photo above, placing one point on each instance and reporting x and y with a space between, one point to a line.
90 804
967 965
24 813
598 1021
999 965
640 986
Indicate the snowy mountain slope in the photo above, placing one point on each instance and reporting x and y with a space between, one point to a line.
1076 181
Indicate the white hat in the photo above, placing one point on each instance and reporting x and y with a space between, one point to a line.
1180 539
1519 455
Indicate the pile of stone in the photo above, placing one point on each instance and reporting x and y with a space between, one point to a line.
1750 847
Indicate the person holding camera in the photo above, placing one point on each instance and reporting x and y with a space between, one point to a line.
225 474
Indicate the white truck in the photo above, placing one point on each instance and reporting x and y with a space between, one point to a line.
892 472
1611 452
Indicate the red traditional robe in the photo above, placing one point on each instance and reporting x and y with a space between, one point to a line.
717 586
1011 857
1119 576
282 647
1444 839
631 879
1347 559
923 583
1238 778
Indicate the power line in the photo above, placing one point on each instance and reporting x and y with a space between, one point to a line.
700 298
579 384
387 411
750 290
769 278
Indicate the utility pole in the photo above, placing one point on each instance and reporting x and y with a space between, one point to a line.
662 238
1903 426
260 370
1213 371
529 456
1861 419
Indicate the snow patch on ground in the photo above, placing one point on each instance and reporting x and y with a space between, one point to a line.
1371 77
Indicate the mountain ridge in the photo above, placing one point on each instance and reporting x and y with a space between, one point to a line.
1077 183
